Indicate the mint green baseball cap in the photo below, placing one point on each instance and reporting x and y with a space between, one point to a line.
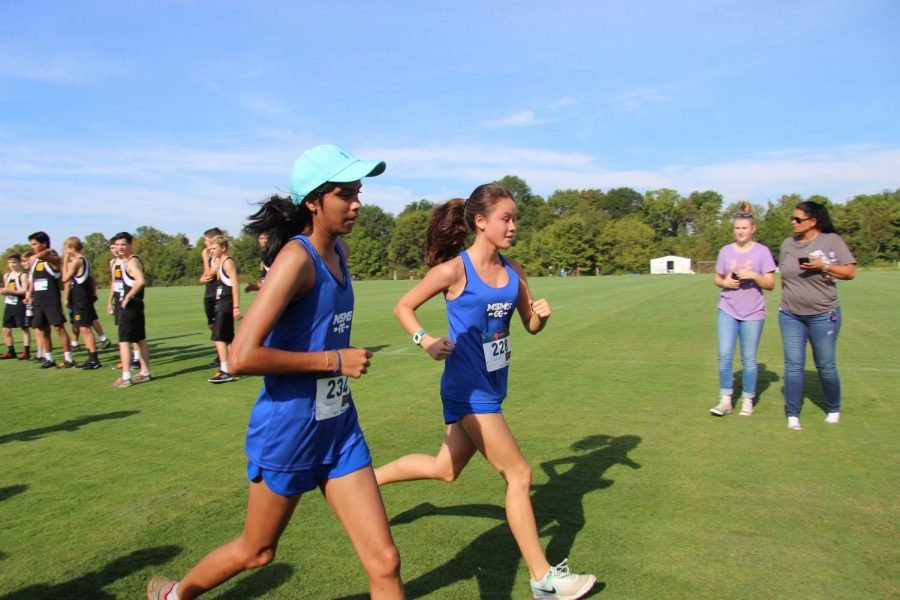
325 163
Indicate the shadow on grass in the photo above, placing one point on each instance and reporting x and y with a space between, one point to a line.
764 380
812 391
70 425
90 585
11 490
154 340
493 557
169 354
259 583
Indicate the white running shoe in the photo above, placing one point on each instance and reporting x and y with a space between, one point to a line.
560 584
794 423
833 418
746 407
723 407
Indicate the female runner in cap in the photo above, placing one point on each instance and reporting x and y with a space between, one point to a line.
303 430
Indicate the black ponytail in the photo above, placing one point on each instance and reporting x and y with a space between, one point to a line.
281 219
818 212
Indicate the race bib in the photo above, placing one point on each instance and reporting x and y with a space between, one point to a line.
40 285
332 396
119 287
218 292
12 300
496 350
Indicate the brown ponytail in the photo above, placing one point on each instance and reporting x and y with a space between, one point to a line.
446 233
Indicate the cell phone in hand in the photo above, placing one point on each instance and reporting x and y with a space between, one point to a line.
735 276
803 260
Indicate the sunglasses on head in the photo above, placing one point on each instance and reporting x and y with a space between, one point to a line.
743 215
798 220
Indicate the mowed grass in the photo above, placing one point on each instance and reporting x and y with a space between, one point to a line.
633 479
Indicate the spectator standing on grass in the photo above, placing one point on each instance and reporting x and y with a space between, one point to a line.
114 302
304 432
15 286
79 279
27 257
45 297
744 269
811 261
132 326
228 305
208 278
482 288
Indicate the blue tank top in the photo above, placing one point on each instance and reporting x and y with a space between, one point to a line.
477 369
284 433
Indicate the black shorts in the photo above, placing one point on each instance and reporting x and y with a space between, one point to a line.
47 316
83 317
14 316
223 327
117 309
209 306
131 322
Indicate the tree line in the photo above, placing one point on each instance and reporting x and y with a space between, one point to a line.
588 231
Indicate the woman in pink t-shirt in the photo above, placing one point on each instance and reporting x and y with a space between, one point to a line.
743 270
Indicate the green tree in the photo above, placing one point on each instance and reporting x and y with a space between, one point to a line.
870 226
628 245
621 202
96 248
570 245
245 252
368 257
164 256
406 250
375 223
663 211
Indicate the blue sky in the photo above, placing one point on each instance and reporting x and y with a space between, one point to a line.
182 114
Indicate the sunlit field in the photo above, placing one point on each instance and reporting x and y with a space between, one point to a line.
633 479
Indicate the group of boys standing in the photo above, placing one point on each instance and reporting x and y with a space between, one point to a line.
40 282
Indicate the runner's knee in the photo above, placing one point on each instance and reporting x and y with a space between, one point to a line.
519 475
253 558
384 561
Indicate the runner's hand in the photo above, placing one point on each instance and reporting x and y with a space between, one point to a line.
438 348
354 362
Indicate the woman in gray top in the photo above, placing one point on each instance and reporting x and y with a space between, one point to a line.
811 261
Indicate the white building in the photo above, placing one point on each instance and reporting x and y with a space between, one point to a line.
667 265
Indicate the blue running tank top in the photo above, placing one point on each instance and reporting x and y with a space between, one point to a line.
307 419
475 373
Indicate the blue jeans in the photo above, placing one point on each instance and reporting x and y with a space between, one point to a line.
822 332
750 332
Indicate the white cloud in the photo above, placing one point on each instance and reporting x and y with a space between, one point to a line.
521 118
29 64
185 189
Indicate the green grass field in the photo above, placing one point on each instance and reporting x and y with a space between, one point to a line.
633 479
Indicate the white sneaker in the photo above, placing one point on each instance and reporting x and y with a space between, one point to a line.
746 407
560 584
794 423
723 407
833 418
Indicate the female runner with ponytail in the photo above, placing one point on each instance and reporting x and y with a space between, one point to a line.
482 288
